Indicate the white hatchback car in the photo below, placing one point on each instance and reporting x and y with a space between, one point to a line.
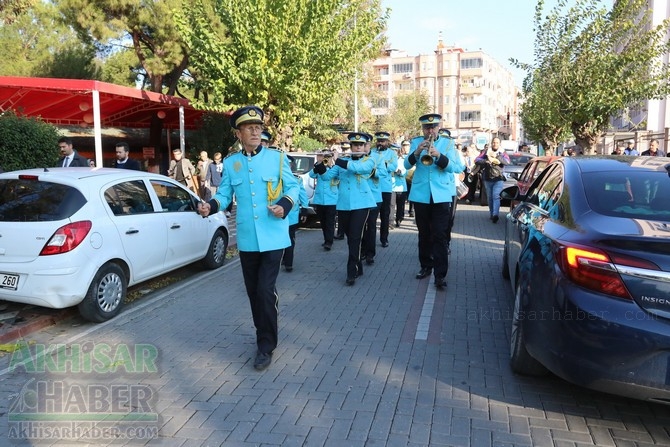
81 236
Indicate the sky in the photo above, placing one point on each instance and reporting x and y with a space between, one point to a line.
503 29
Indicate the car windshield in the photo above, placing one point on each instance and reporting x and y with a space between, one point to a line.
637 194
37 201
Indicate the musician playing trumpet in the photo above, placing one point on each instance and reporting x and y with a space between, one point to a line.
354 199
433 189
325 199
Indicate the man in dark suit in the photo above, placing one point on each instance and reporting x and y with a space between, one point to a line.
123 161
69 156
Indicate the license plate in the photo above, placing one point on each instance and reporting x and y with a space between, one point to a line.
9 281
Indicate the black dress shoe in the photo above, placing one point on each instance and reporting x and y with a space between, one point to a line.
339 237
385 244
327 246
262 361
397 224
369 261
288 268
351 281
494 219
425 271
440 283
411 214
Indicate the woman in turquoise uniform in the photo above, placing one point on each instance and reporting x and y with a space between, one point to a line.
354 198
266 191
325 201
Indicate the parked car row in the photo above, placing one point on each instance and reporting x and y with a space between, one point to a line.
587 253
81 236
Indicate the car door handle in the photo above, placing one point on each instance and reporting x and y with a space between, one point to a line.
132 231
175 226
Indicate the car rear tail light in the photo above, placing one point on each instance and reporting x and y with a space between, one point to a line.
28 177
67 238
596 270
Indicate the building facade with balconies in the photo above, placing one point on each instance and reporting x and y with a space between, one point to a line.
471 90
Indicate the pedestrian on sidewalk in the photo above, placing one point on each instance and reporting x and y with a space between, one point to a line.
266 190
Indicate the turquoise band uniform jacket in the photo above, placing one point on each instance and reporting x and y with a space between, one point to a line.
374 180
399 181
326 191
387 163
303 202
354 191
247 177
437 180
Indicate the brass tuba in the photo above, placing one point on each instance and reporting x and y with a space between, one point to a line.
427 159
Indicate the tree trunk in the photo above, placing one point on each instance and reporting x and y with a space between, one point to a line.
586 136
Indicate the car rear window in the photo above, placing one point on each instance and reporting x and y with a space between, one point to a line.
520 160
634 194
37 201
302 164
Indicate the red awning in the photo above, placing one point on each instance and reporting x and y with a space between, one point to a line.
70 102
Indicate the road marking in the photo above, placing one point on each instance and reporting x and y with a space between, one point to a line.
423 325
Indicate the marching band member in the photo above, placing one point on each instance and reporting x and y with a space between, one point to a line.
293 222
345 149
325 201
433 188
387 163
266 190
400 187
369 241
266 137
354 198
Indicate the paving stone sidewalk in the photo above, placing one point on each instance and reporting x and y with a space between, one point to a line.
389 361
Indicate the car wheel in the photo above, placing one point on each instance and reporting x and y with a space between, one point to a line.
520 360
216 254
105 295
505 265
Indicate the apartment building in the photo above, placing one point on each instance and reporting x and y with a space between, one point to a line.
651 117
472 91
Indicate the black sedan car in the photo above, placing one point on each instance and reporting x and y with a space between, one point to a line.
587 251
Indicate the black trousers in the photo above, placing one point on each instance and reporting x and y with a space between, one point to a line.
352 223
287 259
454 203
411 204
384 216
326 215
340 231
472 186
369 242
400 199
433 222
260 270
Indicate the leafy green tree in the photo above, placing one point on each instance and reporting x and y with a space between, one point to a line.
10 10
147 27
77 62
295 68
33 40
403 118
121 68
26 142
592 62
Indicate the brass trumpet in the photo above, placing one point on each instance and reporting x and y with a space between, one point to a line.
427 159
